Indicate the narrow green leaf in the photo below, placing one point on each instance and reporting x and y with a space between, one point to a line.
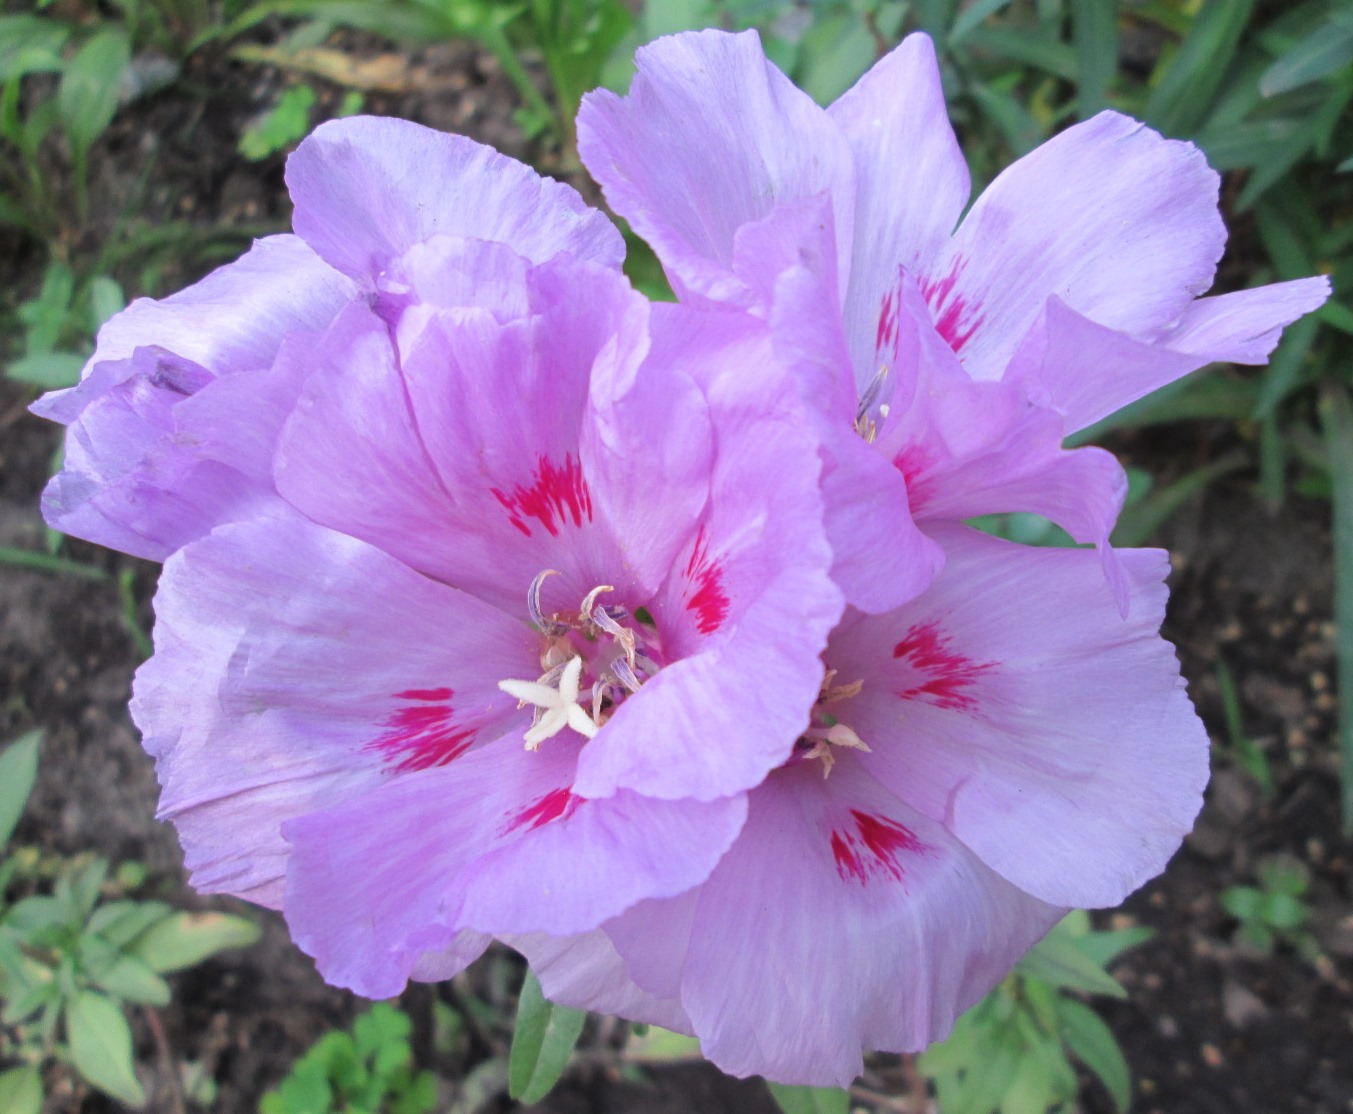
88 95
101 1047
1094 1044
1095 35
1284 370
186 939
971 16
542 1042
1056 959
810 1100
18 771
1184 83
1326 49
1041 51
21 1091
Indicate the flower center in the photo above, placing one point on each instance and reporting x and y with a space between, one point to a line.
870 412
604 651
825 729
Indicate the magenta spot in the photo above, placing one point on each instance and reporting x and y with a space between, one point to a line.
953 319
424 734
555 804
556 495
704 594
946 676
873 850
848 864
887 327
914 461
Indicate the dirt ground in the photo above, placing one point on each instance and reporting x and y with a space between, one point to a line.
1207 1028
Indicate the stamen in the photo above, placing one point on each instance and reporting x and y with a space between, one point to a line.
547 626
585 611
623 635
865 424
624 674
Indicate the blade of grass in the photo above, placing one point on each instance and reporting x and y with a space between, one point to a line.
27 559
1095 27
1336 417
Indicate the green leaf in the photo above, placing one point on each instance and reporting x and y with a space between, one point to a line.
810 1100
85 885
186 939
971 16
1104 947
1326 49
49 370
1242 902
1094 1044
128 977
661 1046
34 914
121 922
1095 30
18 771
88 95
21 1091
1058 960
542 1043
1184 83
101 1047
287 122
105 299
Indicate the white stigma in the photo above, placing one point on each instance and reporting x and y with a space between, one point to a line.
560 707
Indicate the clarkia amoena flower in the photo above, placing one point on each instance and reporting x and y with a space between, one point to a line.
963 346
500 603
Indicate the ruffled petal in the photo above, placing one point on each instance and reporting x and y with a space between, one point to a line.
710 138
746 611
295 667
368 189
495 843
1119 223
880 557
1014 705
911 180
233 320
135 477
971 448
841 920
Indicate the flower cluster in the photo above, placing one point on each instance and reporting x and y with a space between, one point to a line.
499 603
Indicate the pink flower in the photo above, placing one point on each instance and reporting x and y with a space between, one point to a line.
538 596
1025 749
966 346
172 428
